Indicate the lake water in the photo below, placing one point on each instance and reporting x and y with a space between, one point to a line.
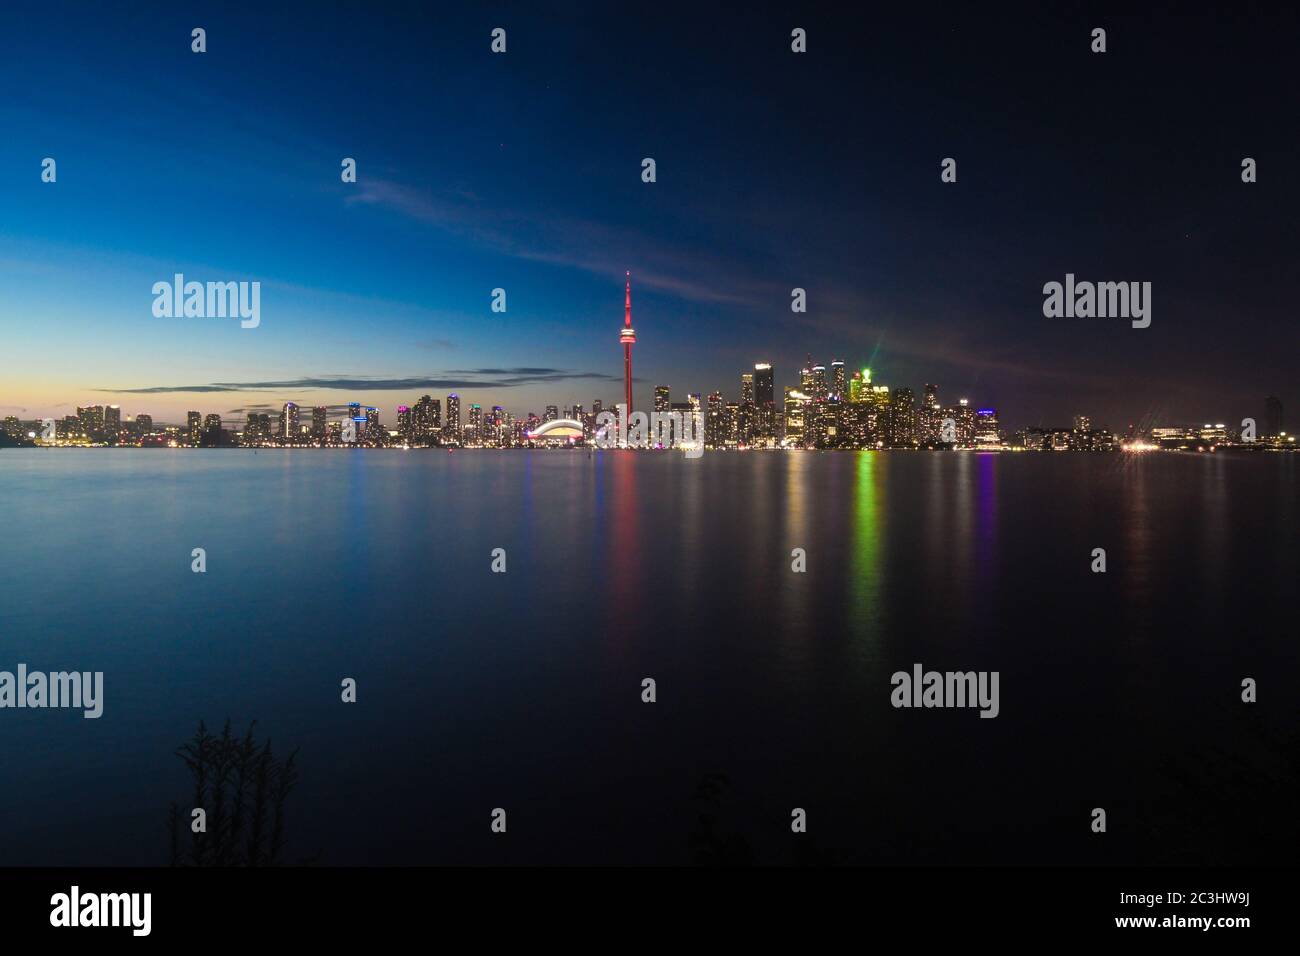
522 690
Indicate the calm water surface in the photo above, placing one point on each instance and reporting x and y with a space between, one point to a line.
522 690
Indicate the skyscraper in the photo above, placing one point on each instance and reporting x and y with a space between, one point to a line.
715 424
474 431
764 404
451 431
319 415
662 402
288 421
194 426
839 386
628 337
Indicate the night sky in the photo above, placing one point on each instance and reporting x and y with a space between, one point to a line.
523 171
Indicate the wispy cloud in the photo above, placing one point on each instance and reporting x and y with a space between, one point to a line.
463 378
571 243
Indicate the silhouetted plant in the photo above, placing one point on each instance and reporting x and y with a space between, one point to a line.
242 786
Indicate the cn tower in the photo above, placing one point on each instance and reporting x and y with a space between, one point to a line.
628 337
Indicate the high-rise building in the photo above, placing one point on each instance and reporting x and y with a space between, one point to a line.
289 422
987 431
211 435
551 414
194 426
839 386
143 424
427 418
747 388
405 423
795 409
474 430
764 404
319 416
818 386
451 431
112 422
90 421
902 418
662 402
715 434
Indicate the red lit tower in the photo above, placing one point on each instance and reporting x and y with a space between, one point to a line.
628 337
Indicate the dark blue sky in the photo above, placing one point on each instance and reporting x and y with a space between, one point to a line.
522 171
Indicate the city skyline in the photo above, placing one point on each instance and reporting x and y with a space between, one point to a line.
376 289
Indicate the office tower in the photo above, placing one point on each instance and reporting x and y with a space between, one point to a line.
818 385
987 431
795 409
496 427
211 434
731 425
839 386
747 389
451 431
902 418
551 413
405 423
112 421
878 417
662 402
764 404
333 433
289 421
860 387
354 413
715 422
806 386
90 421
1274 423
194 426
474 430
597 407
427 416
319 416
627 336
143 424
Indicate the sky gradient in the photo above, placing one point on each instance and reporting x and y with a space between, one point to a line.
522 171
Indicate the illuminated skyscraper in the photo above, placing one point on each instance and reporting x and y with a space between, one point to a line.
795 409
319 417
839 386
474 429
405 423
715 423
194 426
451 431
662 402
764 404
289 421
987 431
